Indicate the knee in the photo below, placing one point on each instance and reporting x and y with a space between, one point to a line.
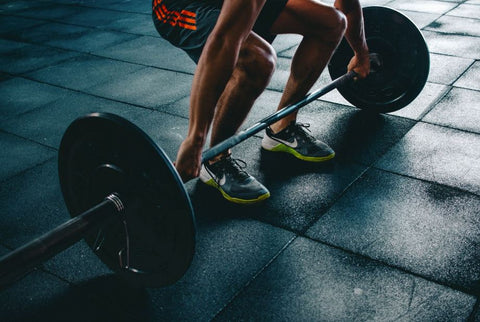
258 64
341 23
338 27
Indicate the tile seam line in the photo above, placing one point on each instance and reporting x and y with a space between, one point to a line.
428 181
463 73
28 139
91 94
81 5
434 103
476 309
28 169
448 127
48 21
87 54
335 200
453 286
457 4
254 277
359 177
152 109
442 33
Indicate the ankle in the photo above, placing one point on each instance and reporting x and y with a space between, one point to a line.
280 126
220 157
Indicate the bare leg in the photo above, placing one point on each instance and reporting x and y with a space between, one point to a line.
252 73
250 77
322 27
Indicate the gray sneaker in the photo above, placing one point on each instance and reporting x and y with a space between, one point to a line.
236 185
295 140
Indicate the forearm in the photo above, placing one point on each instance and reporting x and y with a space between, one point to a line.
355 33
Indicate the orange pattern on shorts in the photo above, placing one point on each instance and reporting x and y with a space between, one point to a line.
184 19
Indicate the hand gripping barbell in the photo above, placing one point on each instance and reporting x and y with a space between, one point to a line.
128 201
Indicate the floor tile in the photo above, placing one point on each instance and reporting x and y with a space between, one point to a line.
9 45
300 192
27 58
425 100
309 281
446 69
284 42
429 6
128 5
20 95
94 17
83 72
48 12
146 87
459 109
229 253
155 52
135 23
454 45
437 154
354 135
9 7
33 298
77 264
91 41
471 78
50 32
73 37
466 10
46 125
18 155
456 26
10 24
32 204
421 19
418 226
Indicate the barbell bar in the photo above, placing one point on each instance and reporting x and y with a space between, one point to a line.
129 203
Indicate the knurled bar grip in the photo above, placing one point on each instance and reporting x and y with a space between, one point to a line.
264 123
20 261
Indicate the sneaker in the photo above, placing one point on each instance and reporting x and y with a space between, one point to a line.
236 185
295 140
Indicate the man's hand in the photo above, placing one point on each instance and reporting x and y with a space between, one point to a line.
189 158
360 64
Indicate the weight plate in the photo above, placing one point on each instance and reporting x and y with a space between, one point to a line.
404 62
152 242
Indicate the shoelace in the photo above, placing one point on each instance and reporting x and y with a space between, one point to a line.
299 129
233 166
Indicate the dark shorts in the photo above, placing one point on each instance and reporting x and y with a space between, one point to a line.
187 23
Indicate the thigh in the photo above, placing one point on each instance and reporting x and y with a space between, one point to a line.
269 14
305 17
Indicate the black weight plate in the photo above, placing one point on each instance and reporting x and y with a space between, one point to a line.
104 153
404 57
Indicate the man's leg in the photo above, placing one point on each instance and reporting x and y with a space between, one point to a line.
322 28
256 64
250 77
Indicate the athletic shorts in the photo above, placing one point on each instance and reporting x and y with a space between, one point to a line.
187 23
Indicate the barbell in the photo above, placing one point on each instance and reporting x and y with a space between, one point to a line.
126 198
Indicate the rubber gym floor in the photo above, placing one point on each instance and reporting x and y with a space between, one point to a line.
388 231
